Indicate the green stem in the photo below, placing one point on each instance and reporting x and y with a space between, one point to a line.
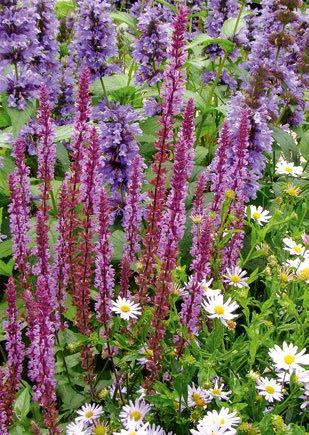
104 91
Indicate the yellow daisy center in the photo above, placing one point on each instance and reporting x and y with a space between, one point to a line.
89 414
288 169
269 389
297 249
256 215
222 421
136 415
125 308
292 191
289 359
235 279
216 392
99 430
132 433
148 353
219 309
198 399
304 274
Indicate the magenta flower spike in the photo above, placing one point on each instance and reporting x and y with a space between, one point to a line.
19 210
172 93
172 231
10 377
132 217
104 271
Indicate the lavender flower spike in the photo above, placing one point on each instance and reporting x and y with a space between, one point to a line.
95 37
150 49
46 61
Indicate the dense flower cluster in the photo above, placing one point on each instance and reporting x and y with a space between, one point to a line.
150 49
119 128
94 41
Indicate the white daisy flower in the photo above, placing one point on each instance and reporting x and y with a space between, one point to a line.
155 430
236 277
217 392
216 308
259 215
77 428
303 271
133 430
270 389
288 168
217 423
287 357
294 264
208 292
126 308
197 397
292 247
89 412
298 376
134 413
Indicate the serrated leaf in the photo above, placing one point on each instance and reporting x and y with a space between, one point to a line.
206 40
22 404
6 268
117 242
64 8
285 141
5 248
19 118
111 84
64 132
63 155
229 26
124 17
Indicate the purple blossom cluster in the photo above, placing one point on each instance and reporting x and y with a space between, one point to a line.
150 48
19 45
95 38
119 128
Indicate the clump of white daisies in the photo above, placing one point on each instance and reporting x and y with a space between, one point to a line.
288 365
132 418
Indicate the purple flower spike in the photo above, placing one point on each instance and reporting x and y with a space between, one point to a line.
95 37
132 217
150 49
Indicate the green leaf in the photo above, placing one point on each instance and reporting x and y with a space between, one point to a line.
117 242
64 132
19 118
5 120
303 145
285 141
206 40
229 26
124 17
6 268
22 404
200 154
63 155
111 83
5 248
64 8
